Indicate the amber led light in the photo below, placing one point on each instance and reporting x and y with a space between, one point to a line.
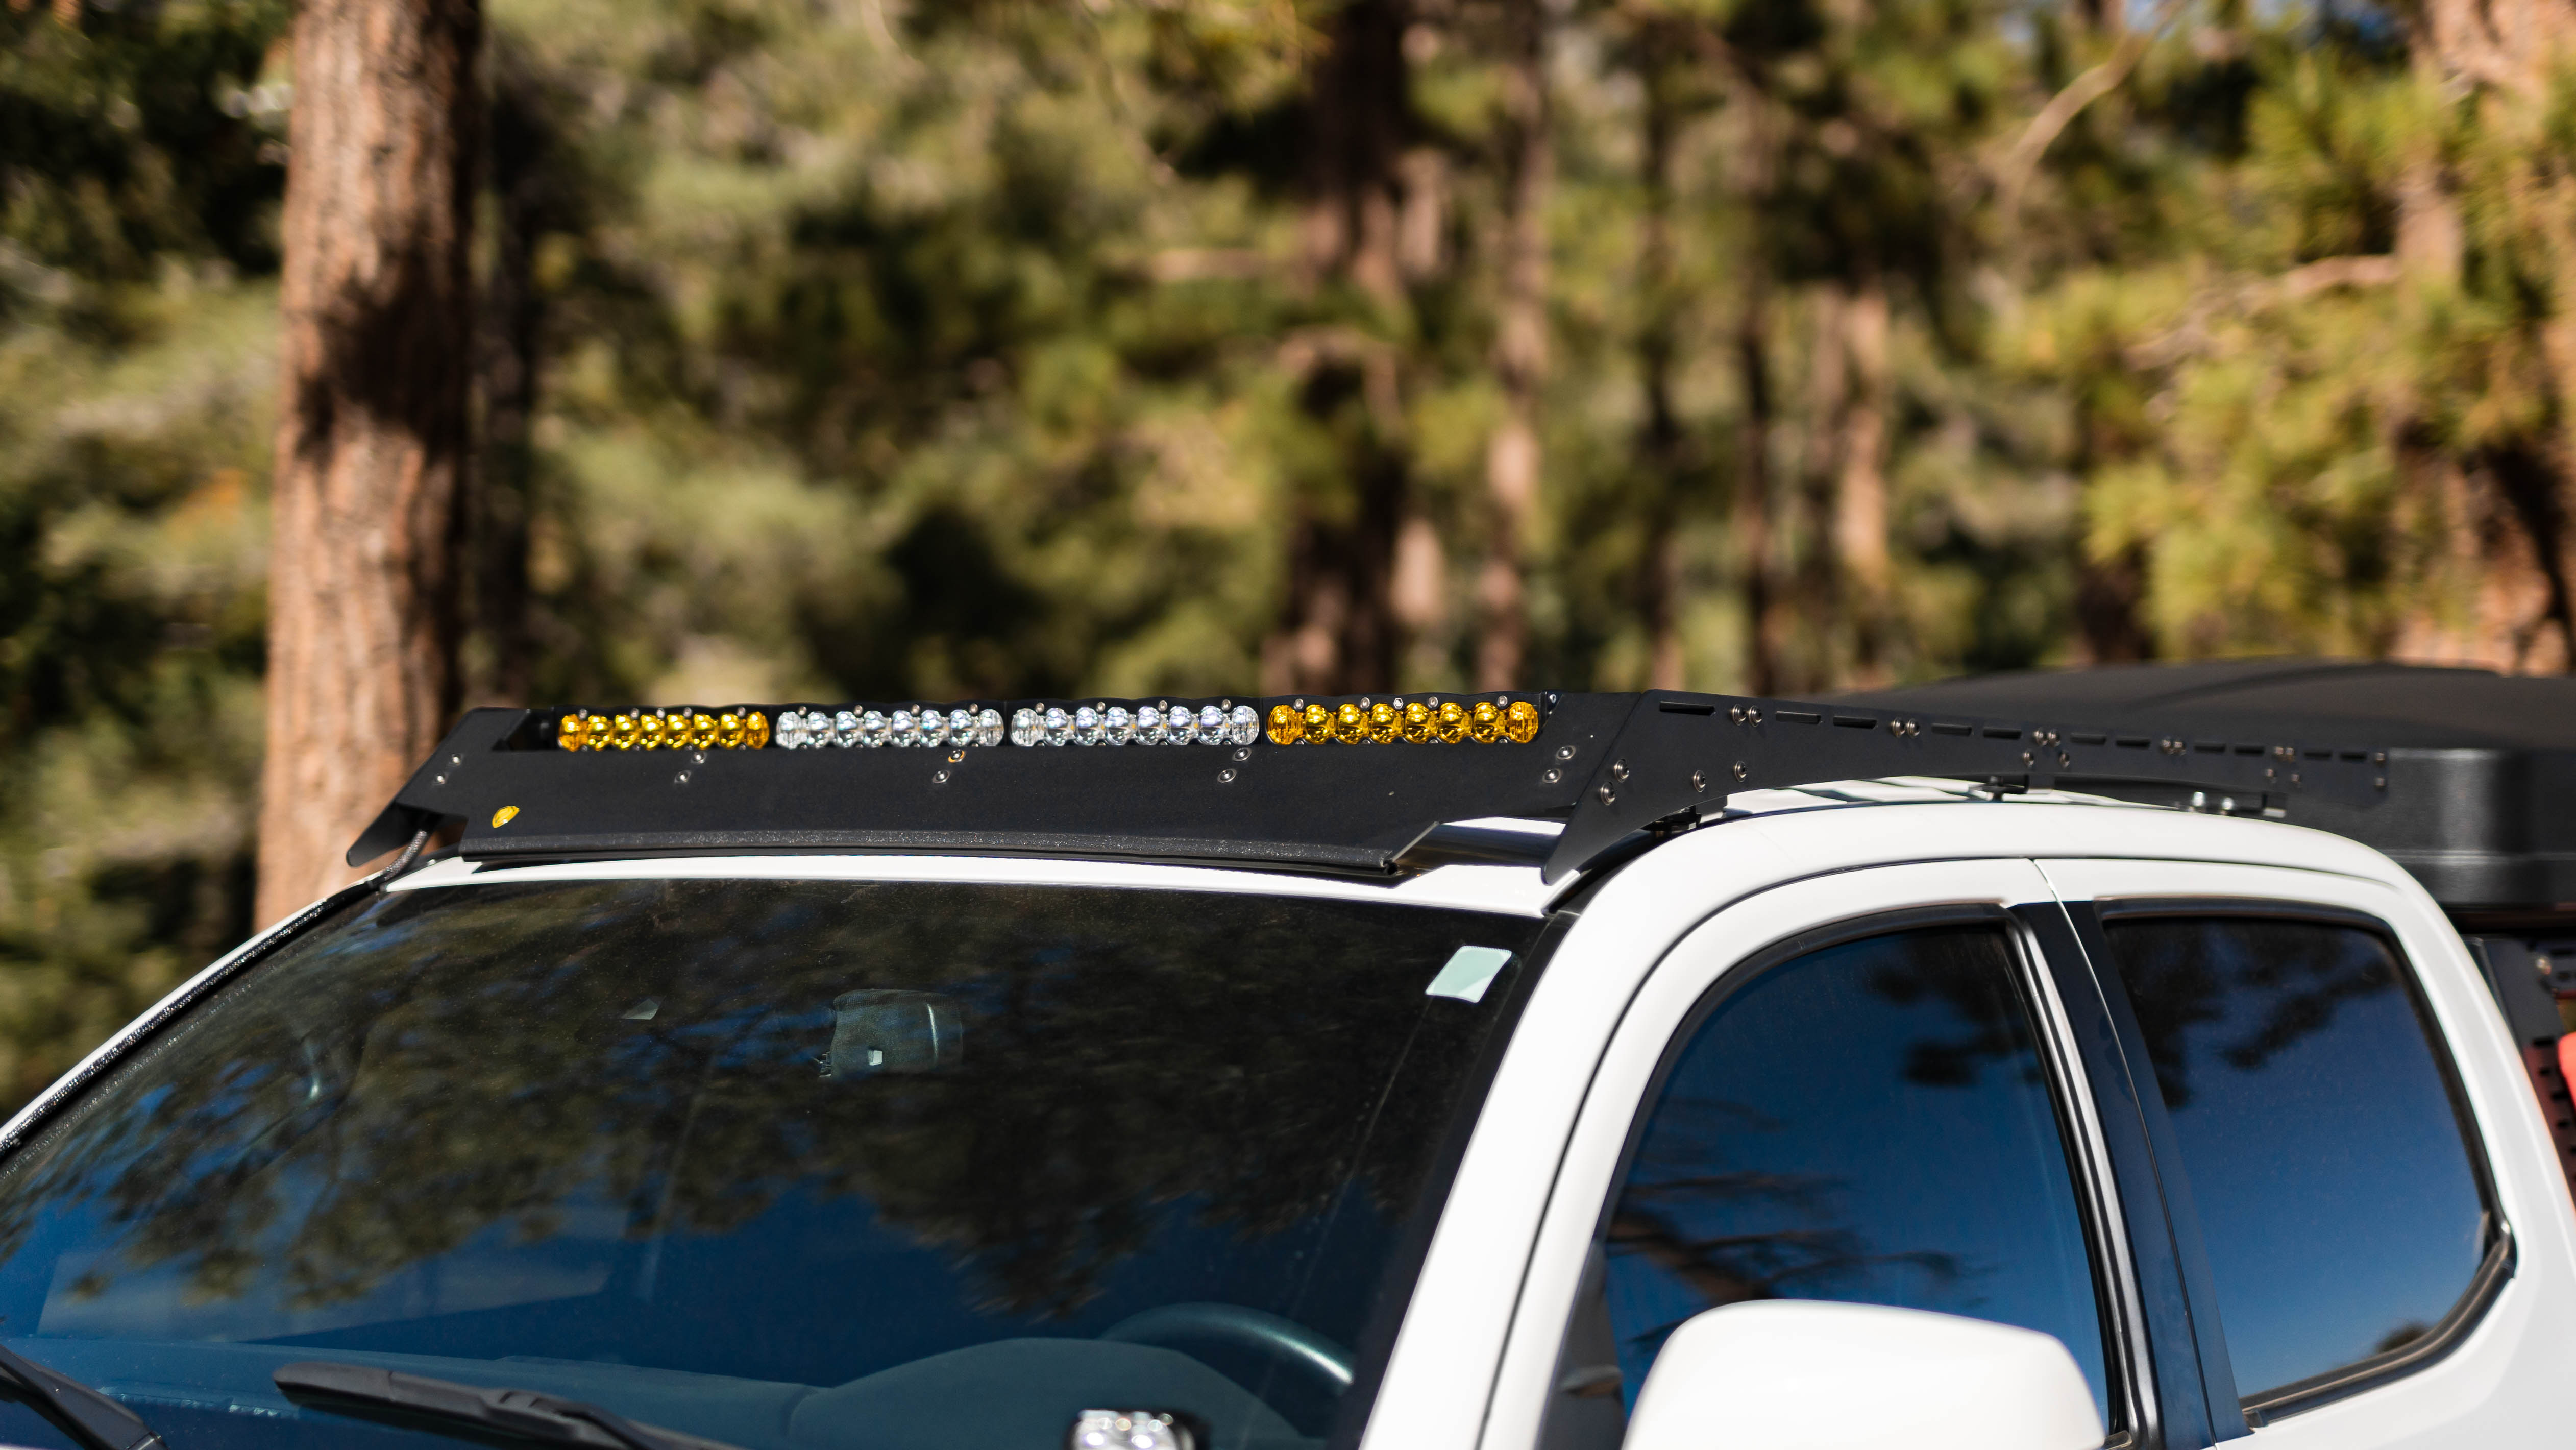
1426 720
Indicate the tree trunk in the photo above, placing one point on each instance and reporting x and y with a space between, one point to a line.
372 433
513 314
1661 446
1866 574
1765 620
1512 461
1762 621
1339 630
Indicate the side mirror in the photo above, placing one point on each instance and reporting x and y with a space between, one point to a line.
1789 1374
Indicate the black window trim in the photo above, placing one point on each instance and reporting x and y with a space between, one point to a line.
2117 1303
2180 1353
2495 1265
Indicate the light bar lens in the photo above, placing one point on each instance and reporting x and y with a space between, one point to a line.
1424 720
680 727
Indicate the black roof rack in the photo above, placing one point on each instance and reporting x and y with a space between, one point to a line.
1617 769
2481 766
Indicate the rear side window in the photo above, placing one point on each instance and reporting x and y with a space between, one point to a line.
2338 1198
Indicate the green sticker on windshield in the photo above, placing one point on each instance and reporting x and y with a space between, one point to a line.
1469 972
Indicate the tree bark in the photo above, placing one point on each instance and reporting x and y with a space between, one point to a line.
1662 445
498 489
1339 630
372 433
1764 618
1866 574
1512 458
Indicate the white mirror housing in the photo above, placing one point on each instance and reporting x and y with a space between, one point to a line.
1791 1374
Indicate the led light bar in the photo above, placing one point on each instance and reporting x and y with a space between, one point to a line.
679 727
1421 720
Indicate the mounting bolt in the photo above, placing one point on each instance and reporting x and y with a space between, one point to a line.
442 780
1565 752
1619 771
2379 757
1243 754
1607 795
681 779
2028 759
955 756
2294 780
939 777
2064 760
1225 776
2379 782
1735 713
1740 771
1553 776
698 758
1699 782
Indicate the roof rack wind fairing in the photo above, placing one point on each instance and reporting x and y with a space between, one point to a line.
1360 788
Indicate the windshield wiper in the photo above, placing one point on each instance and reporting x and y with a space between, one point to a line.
520 1414
97 1422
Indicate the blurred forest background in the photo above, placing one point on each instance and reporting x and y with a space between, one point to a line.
882 348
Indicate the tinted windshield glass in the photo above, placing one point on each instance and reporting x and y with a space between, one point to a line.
777 1163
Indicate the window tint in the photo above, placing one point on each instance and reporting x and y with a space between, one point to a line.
1867 1123
2336 1196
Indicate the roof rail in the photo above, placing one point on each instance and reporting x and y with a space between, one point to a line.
1368 776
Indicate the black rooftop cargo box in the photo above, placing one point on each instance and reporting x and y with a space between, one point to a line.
2481 802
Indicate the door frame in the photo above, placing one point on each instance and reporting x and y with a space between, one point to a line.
1740 940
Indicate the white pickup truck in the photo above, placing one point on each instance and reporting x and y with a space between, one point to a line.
1543 1072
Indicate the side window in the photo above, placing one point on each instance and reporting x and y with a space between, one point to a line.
2338 1201
1870 1123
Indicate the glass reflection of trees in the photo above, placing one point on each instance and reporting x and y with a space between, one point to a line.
2336 1195
1869 1123
444 1062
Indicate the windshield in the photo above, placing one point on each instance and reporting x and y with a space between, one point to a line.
777 1163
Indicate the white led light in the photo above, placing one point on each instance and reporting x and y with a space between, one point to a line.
790 734
1117 727
987 725
1026 728
1243 726
873 729
903 729
846 728
1059 726
1212 726
934 727
1181 724
961 727
1086 725
1149 726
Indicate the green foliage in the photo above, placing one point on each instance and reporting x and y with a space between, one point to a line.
894 349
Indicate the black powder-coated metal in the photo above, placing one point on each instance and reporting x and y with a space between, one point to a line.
2482 766
1610 766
